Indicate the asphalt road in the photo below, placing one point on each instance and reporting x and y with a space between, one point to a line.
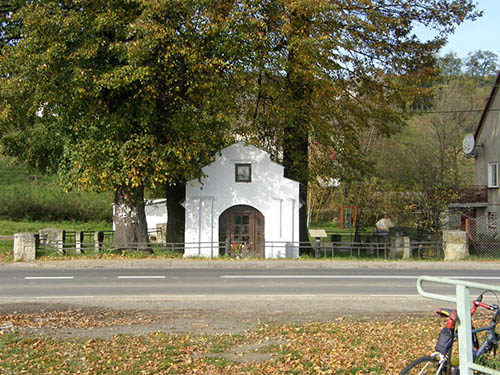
339 290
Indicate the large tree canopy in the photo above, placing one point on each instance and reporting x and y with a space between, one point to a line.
141 92
322 72
137 92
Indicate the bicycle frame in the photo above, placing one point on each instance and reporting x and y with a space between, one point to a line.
491 339
463 308
442 362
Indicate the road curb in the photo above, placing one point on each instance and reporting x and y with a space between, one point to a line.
248 264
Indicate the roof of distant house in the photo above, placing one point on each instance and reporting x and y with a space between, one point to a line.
487 107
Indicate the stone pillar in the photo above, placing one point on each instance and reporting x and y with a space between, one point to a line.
228 247
406 248
98 240
161 233
291 251
25 246
78 242
455 244
54 238
397 246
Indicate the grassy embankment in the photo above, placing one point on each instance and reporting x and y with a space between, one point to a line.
30 202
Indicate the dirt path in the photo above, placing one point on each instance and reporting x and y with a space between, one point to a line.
61 320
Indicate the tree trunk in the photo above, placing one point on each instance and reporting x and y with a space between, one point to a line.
129 217
296 132
176 213
295 161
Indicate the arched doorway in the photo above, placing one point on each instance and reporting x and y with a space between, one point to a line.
243 225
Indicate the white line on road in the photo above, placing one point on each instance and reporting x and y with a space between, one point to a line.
63 297
255 298
49 277
394 295
348 277
141 277
314 277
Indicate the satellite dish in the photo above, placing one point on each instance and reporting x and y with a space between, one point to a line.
468 144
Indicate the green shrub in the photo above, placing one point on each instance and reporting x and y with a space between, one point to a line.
34 197
51 203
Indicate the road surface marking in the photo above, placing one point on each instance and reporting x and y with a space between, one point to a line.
313 277
394 295
348 277
49 277
62 297
141 277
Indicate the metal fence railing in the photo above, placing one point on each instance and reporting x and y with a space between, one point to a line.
76 244
462 301
352 249
427 249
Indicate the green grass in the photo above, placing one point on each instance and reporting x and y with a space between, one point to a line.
341 346
9 227
27 195
6 250
108 254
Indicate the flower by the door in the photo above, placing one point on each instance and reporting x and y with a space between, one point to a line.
237 249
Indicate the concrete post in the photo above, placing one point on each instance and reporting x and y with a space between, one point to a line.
161 233
228 246
397 248
406 248
317 247
78 242
54 238
25 246
291 251
98 240
455 244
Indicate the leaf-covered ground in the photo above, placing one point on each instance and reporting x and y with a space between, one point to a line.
341 346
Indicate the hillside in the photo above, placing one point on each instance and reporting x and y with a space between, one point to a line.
27 195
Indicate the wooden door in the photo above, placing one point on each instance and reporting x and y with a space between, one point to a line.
243 225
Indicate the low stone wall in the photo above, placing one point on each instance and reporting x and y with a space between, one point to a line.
27 245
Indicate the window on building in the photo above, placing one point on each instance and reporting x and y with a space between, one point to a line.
492 175
492 220
243 173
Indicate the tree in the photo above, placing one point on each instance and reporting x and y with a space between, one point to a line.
425 162
137 92
141 92
323 71
10 29
450 65
482 65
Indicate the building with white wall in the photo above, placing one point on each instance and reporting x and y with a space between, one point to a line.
244 198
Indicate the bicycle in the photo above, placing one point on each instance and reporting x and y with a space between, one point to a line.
441 361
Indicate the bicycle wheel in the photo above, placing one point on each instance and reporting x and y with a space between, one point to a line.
424 365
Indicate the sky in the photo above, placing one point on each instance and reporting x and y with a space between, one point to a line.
481 34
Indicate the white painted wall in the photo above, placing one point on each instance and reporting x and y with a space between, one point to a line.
275 196
156 213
